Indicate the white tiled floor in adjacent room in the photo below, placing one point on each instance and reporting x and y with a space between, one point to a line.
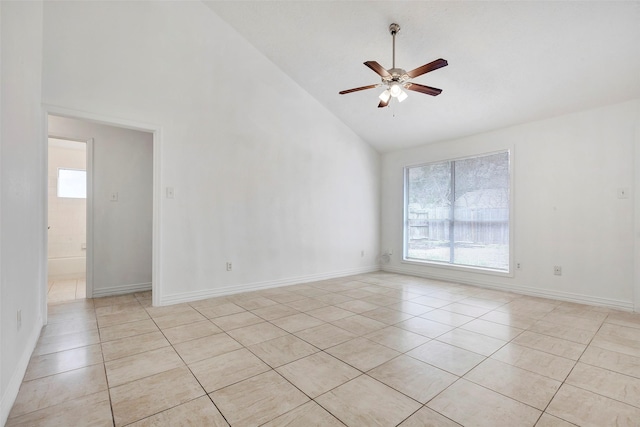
61 290
375 349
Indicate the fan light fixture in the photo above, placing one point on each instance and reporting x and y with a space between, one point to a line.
395 90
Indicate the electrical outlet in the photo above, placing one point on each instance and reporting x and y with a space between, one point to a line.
19 319
114 197
557 270
518 266
361 253
229 266
169 192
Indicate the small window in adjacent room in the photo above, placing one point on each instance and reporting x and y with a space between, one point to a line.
457 212
72 183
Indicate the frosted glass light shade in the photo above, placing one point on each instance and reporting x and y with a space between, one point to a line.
384 96
395 90
402 96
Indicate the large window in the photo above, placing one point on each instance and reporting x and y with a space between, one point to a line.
457 212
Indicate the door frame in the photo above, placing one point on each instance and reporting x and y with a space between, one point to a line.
156 131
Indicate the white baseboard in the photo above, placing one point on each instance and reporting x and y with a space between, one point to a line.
13 387
121 289
525 290
234 289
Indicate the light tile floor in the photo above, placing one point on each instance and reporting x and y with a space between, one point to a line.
60 290
375 349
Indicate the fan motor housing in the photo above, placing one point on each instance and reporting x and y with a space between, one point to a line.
397 75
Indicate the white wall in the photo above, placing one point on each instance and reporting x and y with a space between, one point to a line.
122 162
22 193
264 176
67 217
567 171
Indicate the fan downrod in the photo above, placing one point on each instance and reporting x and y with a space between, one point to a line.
393 29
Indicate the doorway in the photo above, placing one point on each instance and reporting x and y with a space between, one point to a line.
67 209
119 213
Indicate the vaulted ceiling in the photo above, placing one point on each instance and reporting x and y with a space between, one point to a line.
509 62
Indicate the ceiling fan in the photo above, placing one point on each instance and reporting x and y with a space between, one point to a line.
396 79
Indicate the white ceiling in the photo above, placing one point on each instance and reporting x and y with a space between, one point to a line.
509 62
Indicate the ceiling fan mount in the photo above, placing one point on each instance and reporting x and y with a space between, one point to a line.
395 80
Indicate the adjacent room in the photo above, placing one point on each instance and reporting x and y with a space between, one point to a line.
67 208
320 213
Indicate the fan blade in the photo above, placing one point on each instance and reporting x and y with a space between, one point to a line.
438 63
423 89
379 69
355 89
383 104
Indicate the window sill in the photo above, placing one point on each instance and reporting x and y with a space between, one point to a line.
461 268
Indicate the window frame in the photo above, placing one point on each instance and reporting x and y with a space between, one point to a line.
447 265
